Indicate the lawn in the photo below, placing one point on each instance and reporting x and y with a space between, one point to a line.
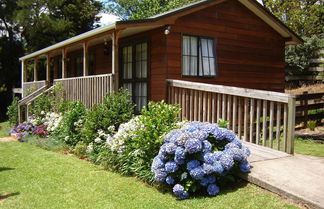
4 129
309 147
31 177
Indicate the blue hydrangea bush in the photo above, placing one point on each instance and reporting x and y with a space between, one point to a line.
195 157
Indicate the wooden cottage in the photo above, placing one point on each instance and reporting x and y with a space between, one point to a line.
225 42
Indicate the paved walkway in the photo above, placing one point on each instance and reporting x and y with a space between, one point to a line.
298 177
9 138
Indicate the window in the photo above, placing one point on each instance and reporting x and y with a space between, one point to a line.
134 72
198 56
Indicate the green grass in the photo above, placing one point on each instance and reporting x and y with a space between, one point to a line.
309 147
31 177
4 129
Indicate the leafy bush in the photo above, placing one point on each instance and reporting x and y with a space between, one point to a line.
197 156
298 56
69 129
132 149
311 125
80 149
115 109
12 112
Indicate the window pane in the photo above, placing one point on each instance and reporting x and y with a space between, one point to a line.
211 46
204 47
193 43
185 65
144 51
193 66
205 64
186 45
212 66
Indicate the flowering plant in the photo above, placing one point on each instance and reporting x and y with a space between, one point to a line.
196 156
22 129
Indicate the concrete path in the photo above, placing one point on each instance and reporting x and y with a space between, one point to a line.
298 177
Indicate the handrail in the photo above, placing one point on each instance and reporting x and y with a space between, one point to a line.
235 91
30 96
83 77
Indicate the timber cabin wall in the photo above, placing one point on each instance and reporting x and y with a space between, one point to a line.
249 53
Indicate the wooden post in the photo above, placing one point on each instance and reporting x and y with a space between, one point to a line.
35 69
64 73
48 71
305 104
23 77
114 39
291 124
85 59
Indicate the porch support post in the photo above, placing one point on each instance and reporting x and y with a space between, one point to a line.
115 71
48 73
23 77
35 69
85 59
64 74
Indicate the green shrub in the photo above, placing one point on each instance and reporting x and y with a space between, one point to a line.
80 149
311 125
143 143
115 109
72 122
12 112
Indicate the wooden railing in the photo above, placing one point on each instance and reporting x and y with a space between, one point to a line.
89 90
261 117
29 87
23 113
309 102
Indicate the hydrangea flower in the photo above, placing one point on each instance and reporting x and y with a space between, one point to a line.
210 158
169 180
171 167
197 173
213 189
189 150
179 156
193 146
226 161
192 165
178 189
170 148
245 167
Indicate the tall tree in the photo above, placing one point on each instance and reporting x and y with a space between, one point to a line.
10 50
138 9
305 17
45 22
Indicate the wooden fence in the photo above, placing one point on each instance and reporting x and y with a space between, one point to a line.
305 103
29 87
89 90
261 117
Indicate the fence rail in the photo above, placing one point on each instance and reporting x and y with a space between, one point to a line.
89 90
309 102
29 87
261 117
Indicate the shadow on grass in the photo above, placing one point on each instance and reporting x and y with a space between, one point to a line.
6 169
5 196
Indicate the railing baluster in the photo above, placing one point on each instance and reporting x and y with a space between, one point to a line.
251 120
285 128
271 124
234 113
246 107
278 125
264 123
257 137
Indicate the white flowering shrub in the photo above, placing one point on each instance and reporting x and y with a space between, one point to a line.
52 121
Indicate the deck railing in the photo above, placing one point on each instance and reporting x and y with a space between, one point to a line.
261 117
89 90
29 87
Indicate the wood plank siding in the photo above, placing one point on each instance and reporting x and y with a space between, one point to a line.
249 53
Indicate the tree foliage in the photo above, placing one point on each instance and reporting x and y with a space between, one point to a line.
139 9
46 22
305 17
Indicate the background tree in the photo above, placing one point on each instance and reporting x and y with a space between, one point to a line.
139 9
305 17
11 49
46 22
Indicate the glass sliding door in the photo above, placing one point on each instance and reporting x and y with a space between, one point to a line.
135 72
